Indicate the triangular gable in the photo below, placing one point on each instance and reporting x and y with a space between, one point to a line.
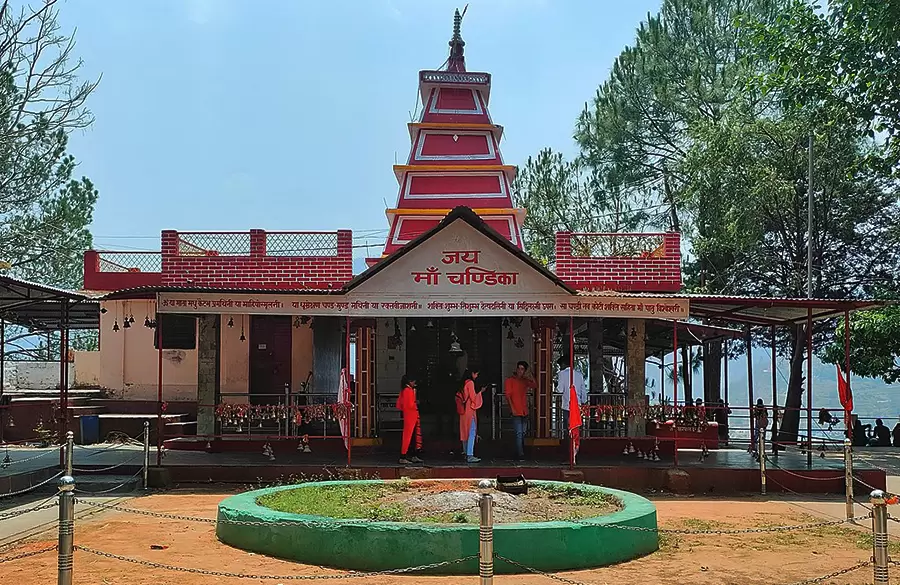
461 257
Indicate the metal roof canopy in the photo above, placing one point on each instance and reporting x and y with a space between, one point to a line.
45 308
763 311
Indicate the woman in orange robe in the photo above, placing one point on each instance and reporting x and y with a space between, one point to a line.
408 405
468 420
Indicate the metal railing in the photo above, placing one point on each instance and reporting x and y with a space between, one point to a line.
124 262
615 245
213 244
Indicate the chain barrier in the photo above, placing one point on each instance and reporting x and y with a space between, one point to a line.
31 488
204 520
9 462
112 489
717 531
771 461
25 555
110 468
344 576
538 571
45 505
831 576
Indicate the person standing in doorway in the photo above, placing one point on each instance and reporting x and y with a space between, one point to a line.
468 401
409 407
563 381
516 391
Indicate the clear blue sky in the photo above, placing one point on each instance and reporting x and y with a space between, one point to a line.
238 114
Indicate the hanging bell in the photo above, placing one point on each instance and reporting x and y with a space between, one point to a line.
242 336
131 318
147 323
625 450
116 325
631 447
231 321
510 335
126 324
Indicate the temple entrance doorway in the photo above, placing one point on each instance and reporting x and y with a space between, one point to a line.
438 354
270 358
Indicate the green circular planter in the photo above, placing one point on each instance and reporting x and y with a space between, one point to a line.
363 545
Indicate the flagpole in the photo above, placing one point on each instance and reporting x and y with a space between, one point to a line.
571 385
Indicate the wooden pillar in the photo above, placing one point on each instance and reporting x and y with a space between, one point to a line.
635 366
543 375
364 415
207 373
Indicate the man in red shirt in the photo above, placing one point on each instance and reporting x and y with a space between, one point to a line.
516 391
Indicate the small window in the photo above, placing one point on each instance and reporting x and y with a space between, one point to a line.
178 332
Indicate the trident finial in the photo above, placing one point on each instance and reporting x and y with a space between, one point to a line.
457 60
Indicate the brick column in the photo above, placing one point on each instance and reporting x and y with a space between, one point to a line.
257 243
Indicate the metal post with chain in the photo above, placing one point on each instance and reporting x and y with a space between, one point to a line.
486 535
761 447
146 453
66 543
880 537
848 476
70 452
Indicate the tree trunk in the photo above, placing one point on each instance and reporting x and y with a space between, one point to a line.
712 372
790 421
687 375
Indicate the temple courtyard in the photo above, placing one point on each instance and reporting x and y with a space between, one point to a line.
139 549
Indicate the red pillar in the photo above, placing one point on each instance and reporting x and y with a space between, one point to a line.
159 388
349 420
675 385
571 382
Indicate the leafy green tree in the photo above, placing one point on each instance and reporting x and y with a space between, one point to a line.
562 195
45 210
845 58
874 344
690 120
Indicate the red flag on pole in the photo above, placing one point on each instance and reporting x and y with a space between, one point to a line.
574 419
844 392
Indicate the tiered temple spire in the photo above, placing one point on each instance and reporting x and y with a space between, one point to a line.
454 157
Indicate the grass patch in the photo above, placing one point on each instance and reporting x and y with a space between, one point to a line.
388 502
340 501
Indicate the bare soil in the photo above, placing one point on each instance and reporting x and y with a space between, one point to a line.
744 559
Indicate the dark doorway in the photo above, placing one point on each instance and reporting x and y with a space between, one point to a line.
439 372
270 358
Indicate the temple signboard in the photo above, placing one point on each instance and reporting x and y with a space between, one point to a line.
423 305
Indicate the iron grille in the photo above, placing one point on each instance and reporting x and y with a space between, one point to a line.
618 245
301 244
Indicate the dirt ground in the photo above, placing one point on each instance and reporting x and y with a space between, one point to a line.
746 559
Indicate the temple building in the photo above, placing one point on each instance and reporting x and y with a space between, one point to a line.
260 336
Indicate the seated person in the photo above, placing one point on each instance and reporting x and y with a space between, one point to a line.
881 435
896 435
860 434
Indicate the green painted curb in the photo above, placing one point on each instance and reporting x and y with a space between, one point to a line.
362 545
